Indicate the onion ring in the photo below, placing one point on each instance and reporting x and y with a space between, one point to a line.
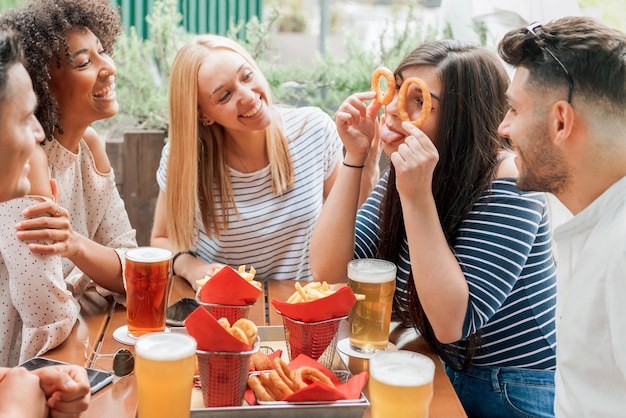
248 327
312 375
426 107
384 99
279 385
285 373
259 390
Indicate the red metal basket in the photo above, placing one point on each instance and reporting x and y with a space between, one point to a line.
230 312
224 376
317 340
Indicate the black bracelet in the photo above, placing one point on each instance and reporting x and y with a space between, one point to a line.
354 166
178 254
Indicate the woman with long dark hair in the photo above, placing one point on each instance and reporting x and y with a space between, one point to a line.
476 276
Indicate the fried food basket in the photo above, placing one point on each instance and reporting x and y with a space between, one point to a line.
223 376
317 340
230 312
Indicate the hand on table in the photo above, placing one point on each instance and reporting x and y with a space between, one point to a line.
66 388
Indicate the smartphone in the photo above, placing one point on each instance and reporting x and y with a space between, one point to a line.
97 378
179 311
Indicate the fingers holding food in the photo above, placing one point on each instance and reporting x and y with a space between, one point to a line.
387 97
426 98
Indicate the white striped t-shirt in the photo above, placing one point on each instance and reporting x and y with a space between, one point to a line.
273 232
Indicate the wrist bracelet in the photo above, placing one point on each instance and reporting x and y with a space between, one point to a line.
353 166
178 254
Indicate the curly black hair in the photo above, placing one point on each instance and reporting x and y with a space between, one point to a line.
41 26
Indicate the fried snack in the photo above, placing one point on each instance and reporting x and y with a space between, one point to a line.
259 390
387 97
247 276
243 329
224 323
259 361
285 373
239 334
310 291
279 386
426 106
249 328
305 374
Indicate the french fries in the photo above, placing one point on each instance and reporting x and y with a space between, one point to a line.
246 275
313 291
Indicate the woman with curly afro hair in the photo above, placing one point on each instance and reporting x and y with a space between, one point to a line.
67 46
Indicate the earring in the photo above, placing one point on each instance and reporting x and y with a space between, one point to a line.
206 122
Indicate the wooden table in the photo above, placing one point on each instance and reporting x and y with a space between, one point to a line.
120 398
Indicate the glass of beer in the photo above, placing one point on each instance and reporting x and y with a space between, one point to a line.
147 278
164 368
370 318
400 384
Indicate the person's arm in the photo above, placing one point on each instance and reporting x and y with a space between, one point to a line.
185 265
38 175
20 394
66 388
332 243
37 290
101 257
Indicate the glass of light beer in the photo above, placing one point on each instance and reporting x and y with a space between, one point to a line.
400 384
147 278
370 318
164 367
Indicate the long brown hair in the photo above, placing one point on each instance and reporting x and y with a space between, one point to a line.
472 105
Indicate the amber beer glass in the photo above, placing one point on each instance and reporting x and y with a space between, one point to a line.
370 318
147 277
400 384
165 366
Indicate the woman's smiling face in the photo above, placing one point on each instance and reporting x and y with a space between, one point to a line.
232 92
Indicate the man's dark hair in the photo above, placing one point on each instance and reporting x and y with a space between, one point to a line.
593 54
10 54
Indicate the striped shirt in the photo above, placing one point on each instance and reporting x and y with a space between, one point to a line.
273 232
504 248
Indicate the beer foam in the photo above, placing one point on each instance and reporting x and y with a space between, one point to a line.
369 270
402 368
165 346
148 254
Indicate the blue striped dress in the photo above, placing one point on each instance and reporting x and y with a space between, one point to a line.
273 232
504 248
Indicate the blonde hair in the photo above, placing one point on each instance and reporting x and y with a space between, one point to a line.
197 174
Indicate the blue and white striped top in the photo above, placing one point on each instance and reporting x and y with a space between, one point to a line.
273 232
504 248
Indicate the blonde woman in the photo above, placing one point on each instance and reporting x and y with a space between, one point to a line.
242 180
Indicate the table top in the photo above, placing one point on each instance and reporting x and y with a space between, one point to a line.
99 321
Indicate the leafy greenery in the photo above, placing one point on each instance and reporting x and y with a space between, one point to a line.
143 65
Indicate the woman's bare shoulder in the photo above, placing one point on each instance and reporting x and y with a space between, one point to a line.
98 150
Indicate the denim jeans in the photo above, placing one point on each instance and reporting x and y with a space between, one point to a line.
502 392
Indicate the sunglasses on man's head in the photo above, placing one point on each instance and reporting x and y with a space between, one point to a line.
532 30
123 360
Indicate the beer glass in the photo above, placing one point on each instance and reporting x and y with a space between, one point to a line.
400 384
147 278
165 366
370 318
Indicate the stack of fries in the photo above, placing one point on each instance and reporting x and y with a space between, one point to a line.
247 275
313 291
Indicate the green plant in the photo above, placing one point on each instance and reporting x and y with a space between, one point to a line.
144 65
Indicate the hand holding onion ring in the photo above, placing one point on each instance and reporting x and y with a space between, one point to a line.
426 107
387 97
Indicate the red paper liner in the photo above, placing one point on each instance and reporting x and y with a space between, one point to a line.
210 335
336 305
227 287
